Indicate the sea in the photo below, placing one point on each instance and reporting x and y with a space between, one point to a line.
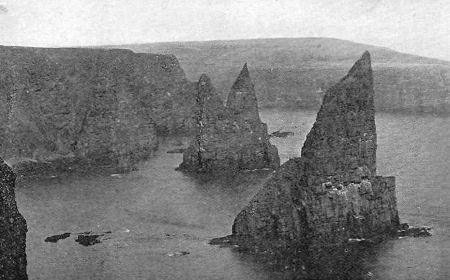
156 222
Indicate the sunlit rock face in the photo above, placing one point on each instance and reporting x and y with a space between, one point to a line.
91 106
13 229
230 138
331 194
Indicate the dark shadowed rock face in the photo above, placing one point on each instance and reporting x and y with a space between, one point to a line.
343 140
91 106
229 138
242 98
13 229
310 203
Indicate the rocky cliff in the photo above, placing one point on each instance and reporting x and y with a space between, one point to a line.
331 194
13 229
229 138
296 72
90 106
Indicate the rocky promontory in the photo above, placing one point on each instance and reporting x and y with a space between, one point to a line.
13 229
230 138
66 107
331 194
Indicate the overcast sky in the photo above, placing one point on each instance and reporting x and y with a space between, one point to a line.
412 26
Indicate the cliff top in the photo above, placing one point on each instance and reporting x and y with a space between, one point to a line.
68 51
280 52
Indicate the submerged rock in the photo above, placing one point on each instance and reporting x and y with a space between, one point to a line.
331 193
13 229
89 238
230 138
57 237
86 238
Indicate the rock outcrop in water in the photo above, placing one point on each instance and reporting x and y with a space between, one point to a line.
88 106
13 229
230 138
331 193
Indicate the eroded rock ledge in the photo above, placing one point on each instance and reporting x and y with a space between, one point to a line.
13 229
230 138
331 194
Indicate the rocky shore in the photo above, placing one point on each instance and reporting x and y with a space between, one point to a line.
13 229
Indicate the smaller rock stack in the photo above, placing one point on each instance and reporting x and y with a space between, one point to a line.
242 98
331 194
13 229
231 138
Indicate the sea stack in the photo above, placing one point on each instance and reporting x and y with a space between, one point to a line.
242 98
13 229
331 194
231 138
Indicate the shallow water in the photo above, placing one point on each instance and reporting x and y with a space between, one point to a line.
157 215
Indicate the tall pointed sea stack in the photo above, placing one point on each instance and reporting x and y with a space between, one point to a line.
242 98
343 139
13 229
232 138
331 193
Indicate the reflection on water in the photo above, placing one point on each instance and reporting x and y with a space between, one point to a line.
156 213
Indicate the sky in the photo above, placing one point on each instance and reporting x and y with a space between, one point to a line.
413 26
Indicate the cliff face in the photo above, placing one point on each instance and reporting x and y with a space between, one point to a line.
331 193
229 138
342 142
100 106
296 72
13 229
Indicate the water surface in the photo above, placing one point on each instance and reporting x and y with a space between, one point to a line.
156 213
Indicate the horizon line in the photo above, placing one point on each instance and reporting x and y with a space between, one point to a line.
52 46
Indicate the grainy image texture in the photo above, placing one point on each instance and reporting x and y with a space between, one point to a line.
269 139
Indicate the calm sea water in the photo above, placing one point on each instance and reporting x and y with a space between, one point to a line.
155 212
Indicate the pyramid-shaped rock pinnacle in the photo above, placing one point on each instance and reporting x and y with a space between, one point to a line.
242 98
343 139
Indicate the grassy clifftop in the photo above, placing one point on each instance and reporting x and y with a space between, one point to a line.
296 72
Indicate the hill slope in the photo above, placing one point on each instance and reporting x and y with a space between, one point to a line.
296 72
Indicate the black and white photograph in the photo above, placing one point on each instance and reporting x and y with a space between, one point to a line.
234 140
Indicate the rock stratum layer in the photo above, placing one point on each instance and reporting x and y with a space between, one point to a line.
13 229
91 106
230 138
331 193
